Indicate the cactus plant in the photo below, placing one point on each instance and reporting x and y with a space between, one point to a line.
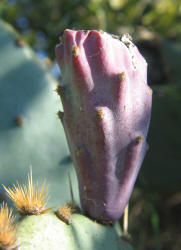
7 228
30 134
29 128
48 232
41 229
107 105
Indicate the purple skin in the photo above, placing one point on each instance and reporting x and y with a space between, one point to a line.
107 107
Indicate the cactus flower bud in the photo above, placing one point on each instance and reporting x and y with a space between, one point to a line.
107 107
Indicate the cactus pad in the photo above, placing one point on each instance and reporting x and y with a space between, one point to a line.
30 131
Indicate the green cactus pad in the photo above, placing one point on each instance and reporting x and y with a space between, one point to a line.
30 131
48 232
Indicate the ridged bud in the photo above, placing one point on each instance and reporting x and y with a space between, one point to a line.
107 107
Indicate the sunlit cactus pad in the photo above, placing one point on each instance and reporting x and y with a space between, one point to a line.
48 232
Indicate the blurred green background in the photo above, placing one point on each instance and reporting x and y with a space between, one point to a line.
155 25
41 22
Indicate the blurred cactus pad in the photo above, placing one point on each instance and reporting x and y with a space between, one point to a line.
161 168
30 131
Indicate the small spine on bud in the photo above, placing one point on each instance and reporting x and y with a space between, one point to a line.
75 50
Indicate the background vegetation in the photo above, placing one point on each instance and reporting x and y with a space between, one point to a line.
42 22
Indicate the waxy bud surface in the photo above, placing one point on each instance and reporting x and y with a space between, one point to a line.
107 107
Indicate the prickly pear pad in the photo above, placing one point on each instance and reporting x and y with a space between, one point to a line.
48 232
107 106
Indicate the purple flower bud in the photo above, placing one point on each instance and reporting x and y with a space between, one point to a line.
107 107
